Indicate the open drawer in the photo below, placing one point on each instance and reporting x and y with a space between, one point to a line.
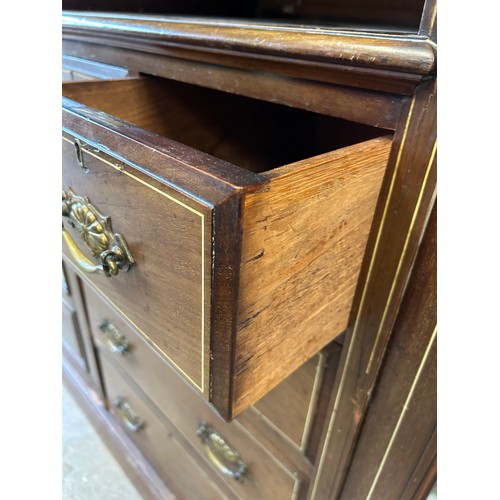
229 231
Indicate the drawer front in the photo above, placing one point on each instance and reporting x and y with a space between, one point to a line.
166 291
117 341
180 471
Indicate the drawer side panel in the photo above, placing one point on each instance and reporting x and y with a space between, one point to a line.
304 240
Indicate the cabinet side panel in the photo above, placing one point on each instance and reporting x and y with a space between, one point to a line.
396 445
303 242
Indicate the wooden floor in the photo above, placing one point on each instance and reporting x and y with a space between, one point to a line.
89 471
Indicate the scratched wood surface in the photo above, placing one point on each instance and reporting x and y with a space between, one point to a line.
303 240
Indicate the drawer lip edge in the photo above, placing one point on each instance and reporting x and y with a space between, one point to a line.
226 178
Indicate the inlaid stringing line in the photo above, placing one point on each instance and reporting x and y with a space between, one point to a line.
314 392
272 457
312 401
400 263
116 167
202 217
362 301
402 414
99 292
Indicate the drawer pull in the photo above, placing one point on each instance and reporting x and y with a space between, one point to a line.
115 340
223 457
95 229
128 416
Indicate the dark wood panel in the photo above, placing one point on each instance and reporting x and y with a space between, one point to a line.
185 7
398 13
401 418
174 292
144 477
266 477
423 479
157 441
350 47
373 108
428 24
321 414
71 331
398 227
77 302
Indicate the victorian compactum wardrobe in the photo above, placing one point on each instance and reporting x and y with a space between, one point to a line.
249 231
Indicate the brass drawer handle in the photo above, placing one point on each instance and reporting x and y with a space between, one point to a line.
109 248
128 416
223 457
115 340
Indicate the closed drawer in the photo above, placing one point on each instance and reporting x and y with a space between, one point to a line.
180 471
266 477
238 275
288 408
255 473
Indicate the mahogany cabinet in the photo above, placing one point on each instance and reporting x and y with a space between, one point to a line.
243 204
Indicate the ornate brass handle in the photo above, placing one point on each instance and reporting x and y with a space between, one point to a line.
223 457
109 248
114 338
129 417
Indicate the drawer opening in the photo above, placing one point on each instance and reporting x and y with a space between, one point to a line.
255 135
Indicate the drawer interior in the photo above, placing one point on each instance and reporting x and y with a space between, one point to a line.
256 135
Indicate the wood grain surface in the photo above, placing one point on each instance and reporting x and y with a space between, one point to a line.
186 410
303 242
365 106
301 252
252 135
291 404
157 441
171 244
351 47
407 196
400 424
